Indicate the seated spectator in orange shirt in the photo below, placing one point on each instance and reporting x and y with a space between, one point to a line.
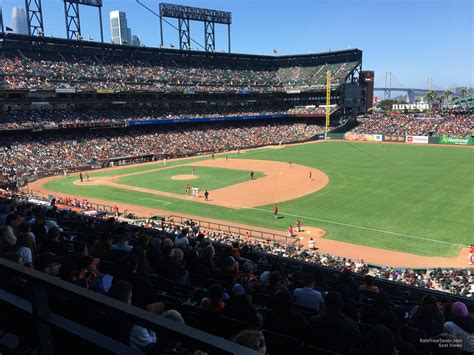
214 302
368 285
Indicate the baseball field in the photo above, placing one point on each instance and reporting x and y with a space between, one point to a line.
412 199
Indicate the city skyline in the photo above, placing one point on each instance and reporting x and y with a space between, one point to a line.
19 22
415 40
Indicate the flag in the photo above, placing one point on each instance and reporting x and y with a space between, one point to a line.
275 51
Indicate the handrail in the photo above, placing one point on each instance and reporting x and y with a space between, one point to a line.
43 284
222 227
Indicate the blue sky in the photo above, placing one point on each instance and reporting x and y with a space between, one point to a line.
413 39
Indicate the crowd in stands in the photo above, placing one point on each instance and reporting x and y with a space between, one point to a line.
39 70
87 117
456 125
44 154
225 287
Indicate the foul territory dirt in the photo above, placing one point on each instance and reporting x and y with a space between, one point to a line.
282 182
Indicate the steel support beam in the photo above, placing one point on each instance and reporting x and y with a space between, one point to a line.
209 36
184 34
34 17
73 22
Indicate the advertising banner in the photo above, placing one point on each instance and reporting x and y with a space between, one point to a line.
417 139
456 140
361 137
393 138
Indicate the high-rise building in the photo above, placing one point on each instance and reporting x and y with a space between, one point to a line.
19 22
120 32
136 41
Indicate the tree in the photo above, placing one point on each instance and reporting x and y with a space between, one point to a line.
463 91
431 96
447 94
386 105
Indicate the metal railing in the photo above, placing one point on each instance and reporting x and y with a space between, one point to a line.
227 228
44 320
47 198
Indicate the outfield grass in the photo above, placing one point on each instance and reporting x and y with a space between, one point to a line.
416 199
209 179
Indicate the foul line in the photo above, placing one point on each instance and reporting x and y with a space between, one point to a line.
155 199
361 227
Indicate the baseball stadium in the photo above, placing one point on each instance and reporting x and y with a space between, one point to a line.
174 200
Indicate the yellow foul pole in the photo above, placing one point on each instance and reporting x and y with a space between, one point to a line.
328 102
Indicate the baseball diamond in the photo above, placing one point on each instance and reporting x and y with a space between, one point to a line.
347 199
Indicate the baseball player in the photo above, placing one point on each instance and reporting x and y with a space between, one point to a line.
80 177
194 171
188 189
311 244
197 191
251 175
275 211
310 175
290 231
298 225
206 195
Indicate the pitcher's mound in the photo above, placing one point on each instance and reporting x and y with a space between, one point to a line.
185 177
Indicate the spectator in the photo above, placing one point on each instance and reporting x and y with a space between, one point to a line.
332 330
252 339
368 286
307 296
240 306
461 326
24 247
139 338
9 233
52 243
214 303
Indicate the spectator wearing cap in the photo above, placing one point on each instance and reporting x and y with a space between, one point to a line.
240 306
247 279
48 263
225 274
9 233
333 330
52 244
461 326
307 296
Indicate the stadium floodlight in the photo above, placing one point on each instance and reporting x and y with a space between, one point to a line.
184 14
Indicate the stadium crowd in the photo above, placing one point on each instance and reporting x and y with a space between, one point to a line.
35 155
87 117
39 70
186 274
456 125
